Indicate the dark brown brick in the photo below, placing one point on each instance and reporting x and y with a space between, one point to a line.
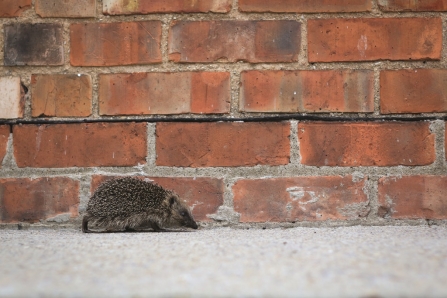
307 91
366 144
405 5
413 197
118 7
107 44
222 144
230 41
305 6
34 44
13 8
80 145
66 8
300 199
32 200
203 195
4 135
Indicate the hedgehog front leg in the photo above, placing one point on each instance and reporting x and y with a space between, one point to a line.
156 227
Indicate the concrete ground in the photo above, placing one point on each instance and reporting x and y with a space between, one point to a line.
358 261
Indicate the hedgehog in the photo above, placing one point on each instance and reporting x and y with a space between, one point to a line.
125 204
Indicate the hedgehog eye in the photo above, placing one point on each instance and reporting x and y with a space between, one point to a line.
183 213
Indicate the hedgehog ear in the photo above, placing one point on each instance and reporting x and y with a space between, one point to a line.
172 200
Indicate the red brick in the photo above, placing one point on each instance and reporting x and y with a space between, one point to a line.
300 199
405 5
32 200
66 8
80 145
413 91
12 102
222 144
374 39
61 95
366 144
107 44
118 7
4 135
203 195
305 6
230 41
164 93
34 44
307 91
13 8
413 197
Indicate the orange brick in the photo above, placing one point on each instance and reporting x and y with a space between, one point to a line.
12 101
61 95
413 197
413 91
304 5
445 140
332 40
307 91
164 93
107 44
32 200
80 145
300 199
405 5
366 144
203 195
118 7
230 41
66 8
222 144
13 8
4 135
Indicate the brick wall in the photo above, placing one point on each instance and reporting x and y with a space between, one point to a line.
265 113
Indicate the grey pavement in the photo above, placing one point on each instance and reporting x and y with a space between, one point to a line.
356 261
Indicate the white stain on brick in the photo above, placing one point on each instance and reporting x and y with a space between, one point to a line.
362 45
10 98
298 192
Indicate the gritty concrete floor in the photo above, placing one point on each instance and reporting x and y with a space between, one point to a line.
299 262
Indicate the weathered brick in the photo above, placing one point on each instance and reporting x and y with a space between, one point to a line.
164 93
80 145
32 200
4 134
66 8
413 91
445 140
13 8
34 44
307 91
203 195
413 197
61 95
230 41
222 144
119 7
106 44
306 6
405 5
12 100
366 144
300 199
374 39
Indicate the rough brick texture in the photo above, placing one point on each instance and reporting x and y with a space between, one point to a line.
80 145
300 199
413 91
61 95
307 91
304 5
230 41
222 144
413 197
118 7
374 39
66 8
164 93
203 195
366 144
34 44
105 44
405 5
12 101
31 200
4 134
13 8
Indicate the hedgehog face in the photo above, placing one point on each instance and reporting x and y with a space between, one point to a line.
180 216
